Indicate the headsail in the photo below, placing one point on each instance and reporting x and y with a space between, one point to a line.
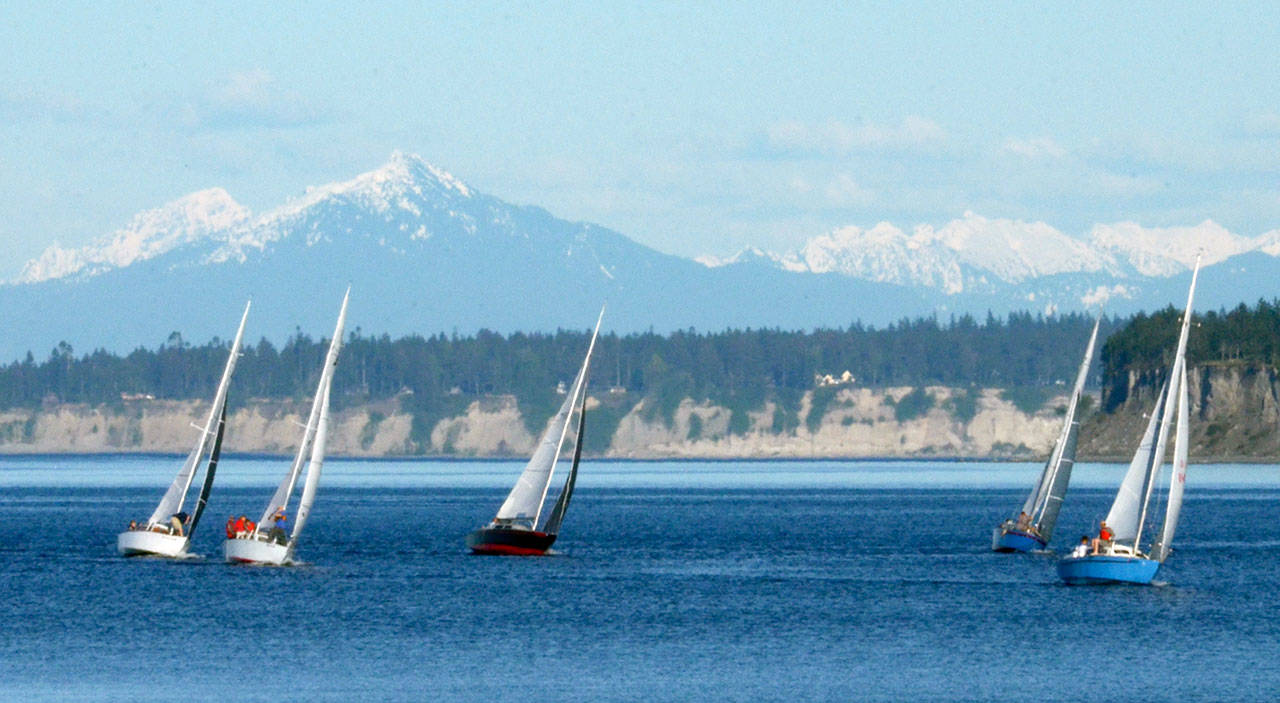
566 494
1045 499
1123 517
315 419
209 472
526 498
176 495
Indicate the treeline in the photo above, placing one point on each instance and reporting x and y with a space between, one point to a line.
743 365
1147 343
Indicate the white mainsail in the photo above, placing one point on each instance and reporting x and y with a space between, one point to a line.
1123 517
1178 480
1130 513
315 419
530 492
1045 499
313 471
176 495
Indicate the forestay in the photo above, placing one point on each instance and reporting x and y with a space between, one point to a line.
526 498
176 495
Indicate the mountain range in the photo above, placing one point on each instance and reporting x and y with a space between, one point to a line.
425 253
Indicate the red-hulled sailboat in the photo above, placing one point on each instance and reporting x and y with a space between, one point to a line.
516 529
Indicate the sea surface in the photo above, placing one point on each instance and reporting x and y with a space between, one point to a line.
673 581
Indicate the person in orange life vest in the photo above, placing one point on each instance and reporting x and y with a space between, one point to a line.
231 527
239 526
251 527
1105 535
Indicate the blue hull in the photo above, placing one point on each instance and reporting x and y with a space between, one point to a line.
1082 571
1015 541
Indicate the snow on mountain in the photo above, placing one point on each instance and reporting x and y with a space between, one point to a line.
149 234
979 254
969 252
1165 251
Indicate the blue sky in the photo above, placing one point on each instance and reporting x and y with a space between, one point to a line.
691 127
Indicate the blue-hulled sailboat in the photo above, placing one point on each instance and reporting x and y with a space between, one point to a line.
1120 559
1033 527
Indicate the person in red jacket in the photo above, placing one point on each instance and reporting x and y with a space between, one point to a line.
1105 535
240 526
231 527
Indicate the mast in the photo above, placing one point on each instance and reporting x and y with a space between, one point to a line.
209 472
562 503
526 498
280 499
176 495
1179 364
1057 473
1178 480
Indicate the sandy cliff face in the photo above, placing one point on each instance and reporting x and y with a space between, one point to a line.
1235 414
856 422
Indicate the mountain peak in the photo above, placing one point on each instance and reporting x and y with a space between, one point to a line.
150 234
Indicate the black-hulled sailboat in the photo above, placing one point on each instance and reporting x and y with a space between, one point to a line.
1033 527
516 529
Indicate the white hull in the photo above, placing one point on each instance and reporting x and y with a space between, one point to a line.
135 543
252 551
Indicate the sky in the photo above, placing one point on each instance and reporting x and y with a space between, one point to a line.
694 128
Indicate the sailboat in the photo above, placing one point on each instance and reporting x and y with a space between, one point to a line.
167 533
516 529
271 542
1032 528
1120 558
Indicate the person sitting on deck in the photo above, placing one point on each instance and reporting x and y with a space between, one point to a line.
1103 542
175 524
278 533
1024 520
231 527
1081 549
133 525
239 526
251 529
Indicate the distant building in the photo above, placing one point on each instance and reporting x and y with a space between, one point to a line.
826 379
137 396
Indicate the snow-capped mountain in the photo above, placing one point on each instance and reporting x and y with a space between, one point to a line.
423 252
426 253
974 255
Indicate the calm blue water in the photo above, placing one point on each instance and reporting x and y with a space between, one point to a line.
676 581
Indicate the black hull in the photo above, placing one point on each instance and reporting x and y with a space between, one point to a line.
488 540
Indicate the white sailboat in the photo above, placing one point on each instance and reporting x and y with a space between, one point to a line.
518 528
1033 527
272 542
1118 558
167 532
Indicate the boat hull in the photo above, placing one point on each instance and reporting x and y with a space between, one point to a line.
1011 540
252 551
143 543
488 540
1106 569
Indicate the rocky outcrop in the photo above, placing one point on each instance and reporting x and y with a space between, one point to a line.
1234 408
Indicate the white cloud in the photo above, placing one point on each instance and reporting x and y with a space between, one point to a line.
1035 148
843 191
251 99
836 137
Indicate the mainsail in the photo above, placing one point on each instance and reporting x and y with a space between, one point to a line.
1045 500
526 498
1129 511
311 436
566 494
176 495
1178 480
